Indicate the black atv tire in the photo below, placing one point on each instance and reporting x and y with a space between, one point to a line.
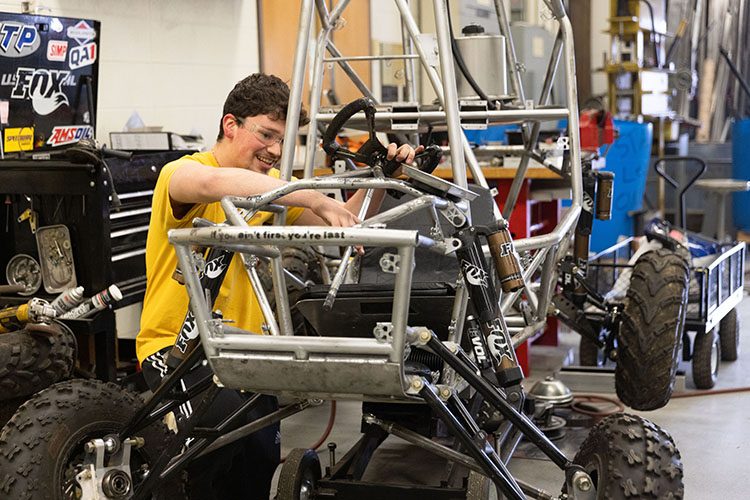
41 447
706 359
35 358
629 457
729 335
8 408
589 354
299 475
651 331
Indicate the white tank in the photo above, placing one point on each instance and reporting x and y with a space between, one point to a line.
484 56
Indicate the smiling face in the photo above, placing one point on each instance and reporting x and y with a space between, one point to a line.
254 142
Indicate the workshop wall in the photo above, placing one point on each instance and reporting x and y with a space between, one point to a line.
599 46
173 61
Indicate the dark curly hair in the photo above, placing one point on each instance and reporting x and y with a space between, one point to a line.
259 94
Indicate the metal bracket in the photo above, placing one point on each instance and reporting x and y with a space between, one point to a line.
383 332
554 158
581 486
98 481
198 261
429 44
404 123
455 216
473 123
389 263
416 384
444 392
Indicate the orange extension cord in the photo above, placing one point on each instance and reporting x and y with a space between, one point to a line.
580 400
326 433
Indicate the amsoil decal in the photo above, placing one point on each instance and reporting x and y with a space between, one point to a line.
81 32
19 139
57 50
69 134
18 40
83 55
43 87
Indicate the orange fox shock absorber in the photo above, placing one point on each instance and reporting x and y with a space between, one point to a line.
486 311
505 256
604 185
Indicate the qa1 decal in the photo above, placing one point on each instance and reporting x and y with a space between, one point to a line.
83 55
68 134
18 40
43 87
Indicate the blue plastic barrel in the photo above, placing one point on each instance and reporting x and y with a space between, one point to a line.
741 170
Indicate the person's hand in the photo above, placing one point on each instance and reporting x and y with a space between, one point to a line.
333 212
402 154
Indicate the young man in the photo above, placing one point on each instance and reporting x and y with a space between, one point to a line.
241 163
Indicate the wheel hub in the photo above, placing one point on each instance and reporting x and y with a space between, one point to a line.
305 489
116 484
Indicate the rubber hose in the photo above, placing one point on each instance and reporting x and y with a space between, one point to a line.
326 433
579 399
621 407
460 61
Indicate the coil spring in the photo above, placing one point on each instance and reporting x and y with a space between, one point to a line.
429 359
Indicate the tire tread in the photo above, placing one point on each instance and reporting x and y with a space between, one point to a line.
635 458
651 331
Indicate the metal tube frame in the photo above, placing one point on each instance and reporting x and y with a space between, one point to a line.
445 89
217 337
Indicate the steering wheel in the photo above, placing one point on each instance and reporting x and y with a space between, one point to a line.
372 152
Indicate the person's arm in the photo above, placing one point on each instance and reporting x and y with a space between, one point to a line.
194 183
404 154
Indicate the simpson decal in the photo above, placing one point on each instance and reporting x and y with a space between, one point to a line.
81 32
43 87
57 50
18 40
69 134
83 55
19 139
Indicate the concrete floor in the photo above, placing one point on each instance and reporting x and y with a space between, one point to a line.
712 432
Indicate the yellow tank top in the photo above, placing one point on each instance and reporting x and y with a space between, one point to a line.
166 302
